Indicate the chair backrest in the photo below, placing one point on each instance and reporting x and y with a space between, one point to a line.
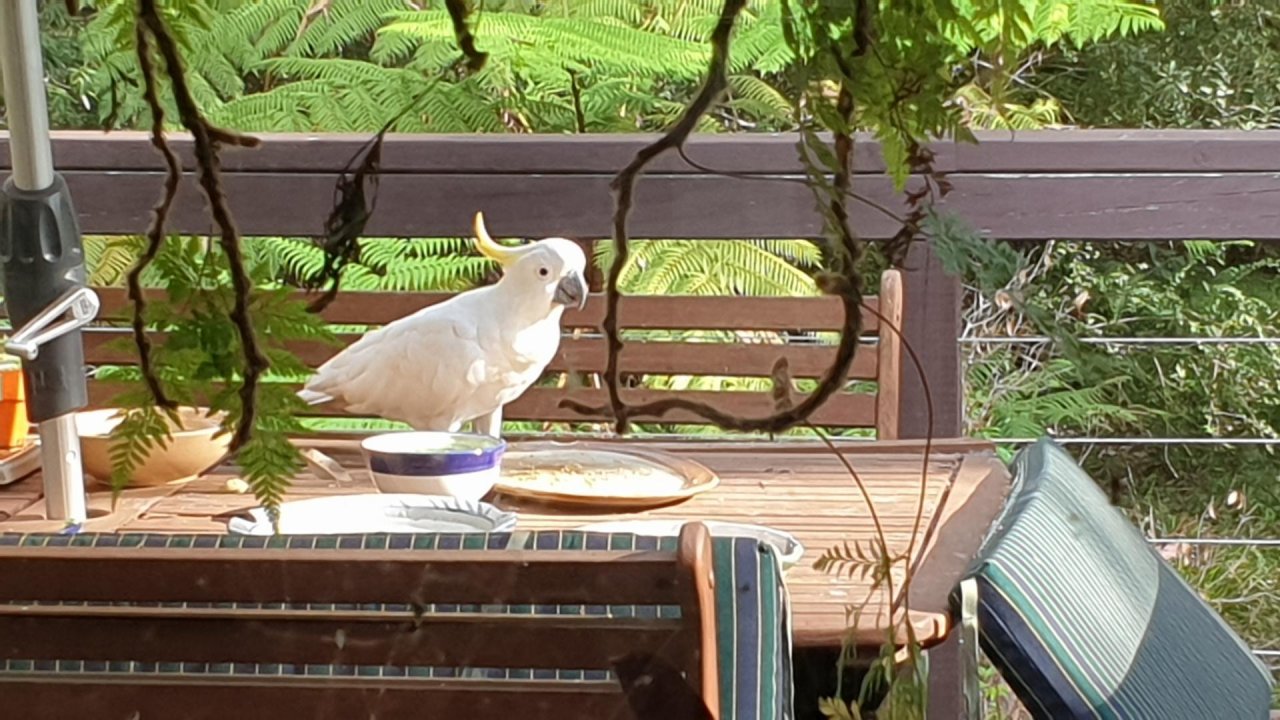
1084 618
136 625
692 338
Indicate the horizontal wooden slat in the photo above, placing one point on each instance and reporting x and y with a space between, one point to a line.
335 576
1106 150
543 404
312 637
643 312
757 153
580 355
447 154
44 696
1014 206
667 206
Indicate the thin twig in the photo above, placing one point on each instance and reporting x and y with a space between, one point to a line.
579 115
928 448
846 284
881 538
159 214
623 186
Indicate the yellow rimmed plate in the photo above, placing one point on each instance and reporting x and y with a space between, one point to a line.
607 474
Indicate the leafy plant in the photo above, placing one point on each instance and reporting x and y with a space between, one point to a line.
1006 41
717 267
558 66
1216 66
199 364
554 66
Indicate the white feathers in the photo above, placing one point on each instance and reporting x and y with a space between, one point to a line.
466 357
311 397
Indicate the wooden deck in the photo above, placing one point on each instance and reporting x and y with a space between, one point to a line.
798 487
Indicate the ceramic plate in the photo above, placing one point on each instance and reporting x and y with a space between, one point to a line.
377 513
600 473
789 548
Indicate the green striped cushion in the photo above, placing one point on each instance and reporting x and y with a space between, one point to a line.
752 618
1085 620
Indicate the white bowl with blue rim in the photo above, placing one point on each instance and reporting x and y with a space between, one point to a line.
460 465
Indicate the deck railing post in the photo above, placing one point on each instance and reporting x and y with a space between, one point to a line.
931 326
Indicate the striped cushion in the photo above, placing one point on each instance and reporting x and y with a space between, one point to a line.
1085 620
753 629
752 613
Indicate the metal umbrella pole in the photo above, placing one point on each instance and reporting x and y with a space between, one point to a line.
43 261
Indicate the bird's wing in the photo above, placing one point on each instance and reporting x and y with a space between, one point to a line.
421 369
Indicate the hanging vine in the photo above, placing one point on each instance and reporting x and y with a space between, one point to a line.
824 40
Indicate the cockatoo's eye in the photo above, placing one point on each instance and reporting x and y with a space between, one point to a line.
543 272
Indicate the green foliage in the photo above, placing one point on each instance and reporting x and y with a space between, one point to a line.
574 65
1041 401
1004 38
1217 66
68 88
114 87
108 261
385 264
199 364
1074 290
140 430
558 66
716 267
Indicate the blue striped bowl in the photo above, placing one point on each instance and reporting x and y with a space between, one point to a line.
460 465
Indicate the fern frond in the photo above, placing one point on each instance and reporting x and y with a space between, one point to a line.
766 99
346 23
108 259
631 12
451 109
283 109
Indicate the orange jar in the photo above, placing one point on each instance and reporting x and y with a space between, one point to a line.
14 425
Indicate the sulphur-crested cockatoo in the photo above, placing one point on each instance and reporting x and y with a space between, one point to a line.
462 359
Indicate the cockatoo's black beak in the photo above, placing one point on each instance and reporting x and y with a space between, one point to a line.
572 290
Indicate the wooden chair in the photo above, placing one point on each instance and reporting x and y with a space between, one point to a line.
108 626
753 332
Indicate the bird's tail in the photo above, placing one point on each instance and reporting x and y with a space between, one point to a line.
311 397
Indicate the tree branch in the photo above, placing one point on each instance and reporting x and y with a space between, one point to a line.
844 283
206 139
159 215
458 12
623 186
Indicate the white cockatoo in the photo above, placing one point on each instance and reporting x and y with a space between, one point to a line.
463 359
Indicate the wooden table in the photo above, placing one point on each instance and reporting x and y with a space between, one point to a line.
798 487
